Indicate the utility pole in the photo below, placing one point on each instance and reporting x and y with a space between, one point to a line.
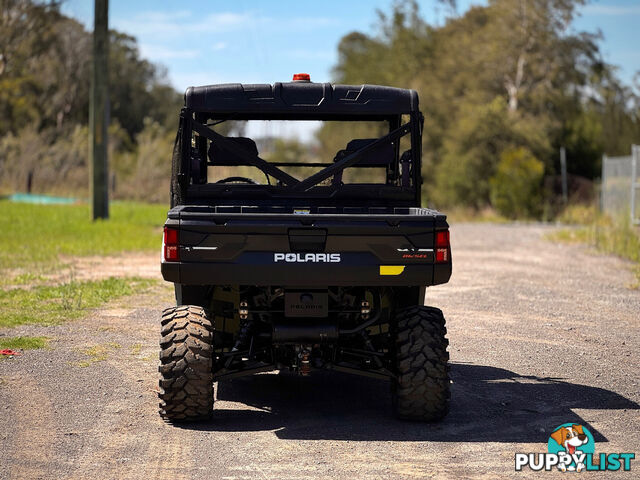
635 154
563 169
603 183
99 113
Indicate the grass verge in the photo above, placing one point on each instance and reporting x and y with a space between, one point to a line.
51 305
39 234
614 236
23 343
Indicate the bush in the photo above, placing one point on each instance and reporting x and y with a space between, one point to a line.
56 163
516 187
144 173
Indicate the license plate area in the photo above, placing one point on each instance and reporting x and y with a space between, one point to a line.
306 303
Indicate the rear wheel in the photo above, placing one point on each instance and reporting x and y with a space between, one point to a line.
421 390
186 378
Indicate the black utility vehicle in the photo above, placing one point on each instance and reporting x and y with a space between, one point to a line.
302 271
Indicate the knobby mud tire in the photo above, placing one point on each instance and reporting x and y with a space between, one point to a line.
186 352
421 390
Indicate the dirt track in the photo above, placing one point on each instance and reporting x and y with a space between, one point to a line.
541 334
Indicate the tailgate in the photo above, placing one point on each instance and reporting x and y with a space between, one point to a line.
311 249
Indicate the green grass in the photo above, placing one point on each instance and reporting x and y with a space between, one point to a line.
579 215
51 305
23 343
38 234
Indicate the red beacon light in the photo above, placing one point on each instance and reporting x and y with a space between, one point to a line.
301 77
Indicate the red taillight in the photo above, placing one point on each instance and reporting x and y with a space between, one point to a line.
442 238
171 246
301 77
442 246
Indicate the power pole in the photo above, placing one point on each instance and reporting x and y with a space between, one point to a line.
603 183
563 170
635 158
99 113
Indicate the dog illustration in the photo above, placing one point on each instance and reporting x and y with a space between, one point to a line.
570 438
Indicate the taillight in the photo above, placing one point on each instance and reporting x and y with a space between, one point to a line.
171 245
442 238
442 246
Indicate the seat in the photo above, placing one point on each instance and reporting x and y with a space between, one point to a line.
223 157
381 156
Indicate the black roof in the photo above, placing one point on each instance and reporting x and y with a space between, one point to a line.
300 100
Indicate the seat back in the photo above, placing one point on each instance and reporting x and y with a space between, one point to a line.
222 157
379 157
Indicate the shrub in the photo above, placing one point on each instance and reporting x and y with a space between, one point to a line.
516 186
144 173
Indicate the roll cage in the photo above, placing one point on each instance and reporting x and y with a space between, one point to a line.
208 106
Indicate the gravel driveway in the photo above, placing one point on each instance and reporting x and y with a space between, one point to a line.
541 334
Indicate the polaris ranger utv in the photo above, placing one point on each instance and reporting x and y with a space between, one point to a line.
296 271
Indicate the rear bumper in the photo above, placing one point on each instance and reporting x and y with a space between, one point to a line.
309 275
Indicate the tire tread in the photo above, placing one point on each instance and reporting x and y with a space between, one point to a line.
421 391
186 352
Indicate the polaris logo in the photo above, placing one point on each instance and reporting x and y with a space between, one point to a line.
307 257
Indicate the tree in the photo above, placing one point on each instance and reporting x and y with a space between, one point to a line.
508 75
138 88
471 152
25 37
44 98
45 67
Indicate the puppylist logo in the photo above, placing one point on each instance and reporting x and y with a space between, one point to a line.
571 448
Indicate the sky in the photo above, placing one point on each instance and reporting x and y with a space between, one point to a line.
203 42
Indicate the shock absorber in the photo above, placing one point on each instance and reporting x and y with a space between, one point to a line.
244 334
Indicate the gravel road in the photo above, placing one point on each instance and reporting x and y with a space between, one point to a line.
541 334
